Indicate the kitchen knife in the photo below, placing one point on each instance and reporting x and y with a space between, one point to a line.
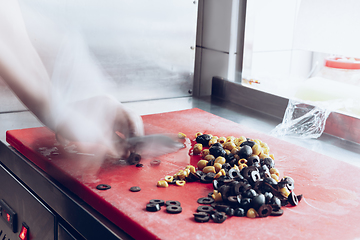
154 145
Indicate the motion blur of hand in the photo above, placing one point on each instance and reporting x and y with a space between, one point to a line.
96 119
102 120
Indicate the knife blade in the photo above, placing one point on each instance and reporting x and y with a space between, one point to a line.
154 145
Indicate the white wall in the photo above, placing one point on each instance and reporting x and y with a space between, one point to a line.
269 37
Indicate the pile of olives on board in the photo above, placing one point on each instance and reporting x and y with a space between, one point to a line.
244 178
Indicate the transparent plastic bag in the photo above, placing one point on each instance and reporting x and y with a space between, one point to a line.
302 120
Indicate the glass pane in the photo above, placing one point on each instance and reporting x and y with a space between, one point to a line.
278 60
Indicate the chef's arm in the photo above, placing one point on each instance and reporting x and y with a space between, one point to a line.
20 65
95 119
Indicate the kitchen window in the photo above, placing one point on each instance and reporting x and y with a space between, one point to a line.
304 49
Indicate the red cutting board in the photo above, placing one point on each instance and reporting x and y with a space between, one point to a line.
329 209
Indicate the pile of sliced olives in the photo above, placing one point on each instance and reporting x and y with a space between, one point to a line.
243 174
244 178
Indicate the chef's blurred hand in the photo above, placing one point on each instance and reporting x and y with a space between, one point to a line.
93 120
101 120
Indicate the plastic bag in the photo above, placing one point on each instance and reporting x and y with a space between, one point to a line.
302 120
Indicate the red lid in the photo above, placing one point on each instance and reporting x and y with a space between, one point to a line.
343 62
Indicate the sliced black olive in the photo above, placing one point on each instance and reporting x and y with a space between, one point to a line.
103 187
217 145
233 200
270 185
264 171
226 166
269 162
245 203
152 207
240 188
234 173
268 196
205 200
247 186
232 187
205 208
203 139
265 210
201 217
225 191
157 201
205 179
246 171
219 217
222 207
172 202
248 143
199 173
258 185
258 201
173 209
230 212
250 193
134 158
275 202
255 176
237 188
214 204
173 181
299 197
135 189
211 162
290 183
245 152
216 184
200 214
252 159
238 197
217 151
239 212
226 180
221 179
264 168
293 200
277 212
284 202
139 165
229 157
210 176
256 164
155 162
193 177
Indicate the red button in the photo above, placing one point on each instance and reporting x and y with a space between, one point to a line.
24 232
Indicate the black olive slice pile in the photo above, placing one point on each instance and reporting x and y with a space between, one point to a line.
249 184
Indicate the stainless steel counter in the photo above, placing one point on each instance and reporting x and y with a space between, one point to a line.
326 144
